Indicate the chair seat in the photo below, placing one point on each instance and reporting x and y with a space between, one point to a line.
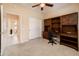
56 39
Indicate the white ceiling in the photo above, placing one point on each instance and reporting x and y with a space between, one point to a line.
46 8
56 5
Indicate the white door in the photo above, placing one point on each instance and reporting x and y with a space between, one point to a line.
8 23
34 28
13 29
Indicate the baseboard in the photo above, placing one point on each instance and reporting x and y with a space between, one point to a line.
35 38
30 39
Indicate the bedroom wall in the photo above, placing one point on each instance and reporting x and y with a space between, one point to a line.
24 13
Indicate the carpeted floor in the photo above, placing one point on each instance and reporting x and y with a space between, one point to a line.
39 47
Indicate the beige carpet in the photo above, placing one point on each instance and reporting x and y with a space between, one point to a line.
39 47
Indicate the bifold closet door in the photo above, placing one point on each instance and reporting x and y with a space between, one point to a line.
34 28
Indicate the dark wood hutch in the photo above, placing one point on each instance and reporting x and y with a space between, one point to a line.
66 27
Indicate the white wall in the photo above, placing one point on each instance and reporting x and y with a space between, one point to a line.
24 13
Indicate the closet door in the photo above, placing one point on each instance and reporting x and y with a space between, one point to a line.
65 20
73 19
47 22
34 28
70 19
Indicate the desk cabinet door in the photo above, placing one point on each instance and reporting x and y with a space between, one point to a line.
70 19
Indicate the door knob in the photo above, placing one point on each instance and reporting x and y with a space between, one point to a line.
11 31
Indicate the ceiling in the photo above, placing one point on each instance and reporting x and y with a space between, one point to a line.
46 8
56 5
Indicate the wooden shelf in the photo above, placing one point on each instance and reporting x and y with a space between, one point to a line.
70 41
72 46
55 22
69 35
66 27
69 24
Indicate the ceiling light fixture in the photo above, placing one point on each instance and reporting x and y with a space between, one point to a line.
42 4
